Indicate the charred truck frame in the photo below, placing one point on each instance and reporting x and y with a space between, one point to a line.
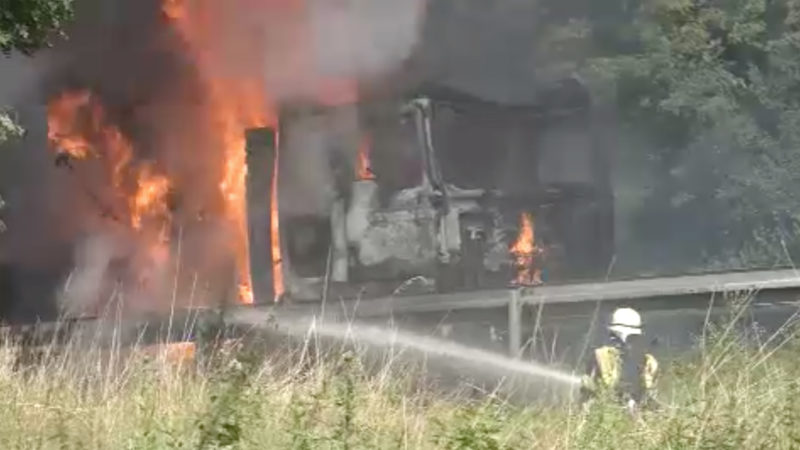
449 191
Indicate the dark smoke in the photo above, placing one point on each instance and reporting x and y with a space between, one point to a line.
128 55
125 53
489 49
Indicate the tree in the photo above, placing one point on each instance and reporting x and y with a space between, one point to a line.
707 95
713 85
27 26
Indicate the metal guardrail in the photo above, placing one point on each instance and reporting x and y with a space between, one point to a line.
512 299
516 299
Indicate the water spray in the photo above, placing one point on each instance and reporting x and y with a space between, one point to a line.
392 338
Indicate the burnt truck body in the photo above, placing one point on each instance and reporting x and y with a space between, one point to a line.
434 198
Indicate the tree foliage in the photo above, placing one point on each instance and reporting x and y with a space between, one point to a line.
708 89
28 25
9 128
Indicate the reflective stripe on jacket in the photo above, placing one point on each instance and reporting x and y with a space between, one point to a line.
605 371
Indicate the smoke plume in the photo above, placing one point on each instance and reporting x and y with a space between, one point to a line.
180 81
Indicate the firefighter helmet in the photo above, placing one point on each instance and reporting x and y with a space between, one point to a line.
626 322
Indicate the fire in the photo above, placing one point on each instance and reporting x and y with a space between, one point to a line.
174 9
78 126
150 196
275 232
233 191
135 195
63 123
363 163
239 99
524 251
234 104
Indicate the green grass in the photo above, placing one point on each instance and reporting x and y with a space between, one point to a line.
727 394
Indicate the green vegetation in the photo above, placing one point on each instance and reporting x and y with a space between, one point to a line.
9 127
706 93
726 395
27 26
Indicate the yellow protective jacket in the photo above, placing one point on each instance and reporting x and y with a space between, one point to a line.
605 369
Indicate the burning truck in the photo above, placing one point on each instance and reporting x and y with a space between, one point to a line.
446 192
177 169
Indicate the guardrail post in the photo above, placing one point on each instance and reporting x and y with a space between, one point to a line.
514 324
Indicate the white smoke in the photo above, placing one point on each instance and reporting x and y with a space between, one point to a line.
299 48
87 282
310 144
326 52
114 271
363 38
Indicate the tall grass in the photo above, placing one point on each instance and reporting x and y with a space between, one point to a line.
732 392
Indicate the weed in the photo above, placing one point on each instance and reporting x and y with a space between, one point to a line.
730 393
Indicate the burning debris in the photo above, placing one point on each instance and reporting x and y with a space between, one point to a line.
363 163
275 231
233 105
132 193
65 129
526 253
79 129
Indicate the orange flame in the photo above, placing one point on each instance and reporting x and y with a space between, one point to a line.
363 163
150 197
174 9
233 191
78 126
238 99
234 104
275 232
524 251
63 122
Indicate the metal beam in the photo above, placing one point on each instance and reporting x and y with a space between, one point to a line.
514 324
666 287
787 281
722 283
261 145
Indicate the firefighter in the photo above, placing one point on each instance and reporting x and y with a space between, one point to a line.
622 368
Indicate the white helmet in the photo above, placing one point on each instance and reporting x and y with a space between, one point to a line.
626 322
